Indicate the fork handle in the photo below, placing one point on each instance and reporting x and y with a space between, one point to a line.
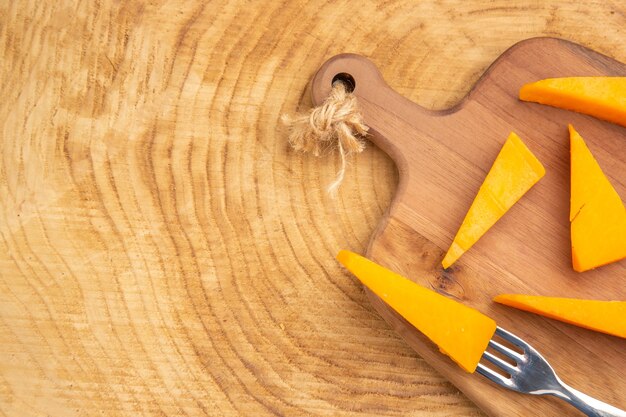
587 404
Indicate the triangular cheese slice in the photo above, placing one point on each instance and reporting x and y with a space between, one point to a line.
514 172
602 97
603 316
597 213
459 331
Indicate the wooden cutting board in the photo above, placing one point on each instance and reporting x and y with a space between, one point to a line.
442 158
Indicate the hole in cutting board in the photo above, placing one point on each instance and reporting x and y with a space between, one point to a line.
346 79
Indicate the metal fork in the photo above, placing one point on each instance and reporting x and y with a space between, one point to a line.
532 374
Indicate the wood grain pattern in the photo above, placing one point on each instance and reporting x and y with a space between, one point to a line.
161 250
442 158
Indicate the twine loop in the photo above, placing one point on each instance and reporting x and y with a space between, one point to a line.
336 124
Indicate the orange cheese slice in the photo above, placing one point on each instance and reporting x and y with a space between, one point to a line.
602 97
514 172
597 214
602 316
459 331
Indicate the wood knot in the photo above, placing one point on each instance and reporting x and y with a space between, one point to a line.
446 283
336 124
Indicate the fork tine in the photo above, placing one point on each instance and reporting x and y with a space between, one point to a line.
492 375
505 350
500 362
510 337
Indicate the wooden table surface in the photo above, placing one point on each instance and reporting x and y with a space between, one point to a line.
162 252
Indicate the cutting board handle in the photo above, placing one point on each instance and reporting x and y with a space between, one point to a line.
384 110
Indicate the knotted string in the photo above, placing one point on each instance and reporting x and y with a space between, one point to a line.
336 124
